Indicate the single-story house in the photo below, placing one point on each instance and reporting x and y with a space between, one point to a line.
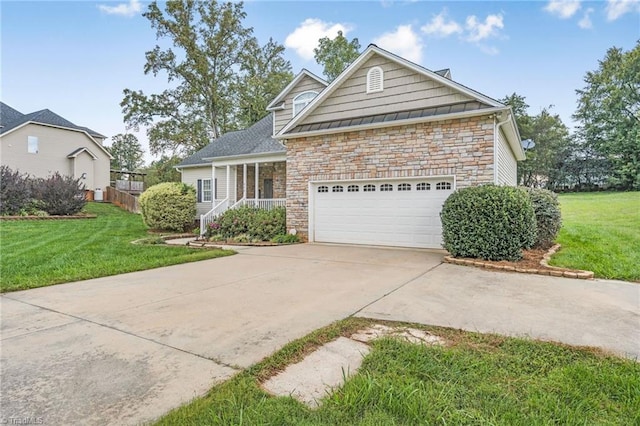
42 143
367 159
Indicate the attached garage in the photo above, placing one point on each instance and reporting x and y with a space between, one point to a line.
388 212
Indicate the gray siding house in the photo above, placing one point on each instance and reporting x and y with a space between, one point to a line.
42 143
367 159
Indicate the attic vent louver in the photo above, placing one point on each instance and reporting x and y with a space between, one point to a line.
375 80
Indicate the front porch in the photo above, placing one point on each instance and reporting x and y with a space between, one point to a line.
260 183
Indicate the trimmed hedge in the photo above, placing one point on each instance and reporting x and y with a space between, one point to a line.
169 206
250 222
488 222
548 216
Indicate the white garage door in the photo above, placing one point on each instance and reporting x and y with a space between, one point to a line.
403 213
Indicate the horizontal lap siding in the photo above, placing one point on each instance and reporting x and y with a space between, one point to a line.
190 176
282 117
404 89
507 166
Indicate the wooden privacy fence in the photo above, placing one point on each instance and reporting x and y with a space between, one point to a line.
123 200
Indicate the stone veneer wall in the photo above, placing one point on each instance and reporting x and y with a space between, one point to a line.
275 171
462 147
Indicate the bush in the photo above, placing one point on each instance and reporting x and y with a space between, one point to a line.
488 222
548 216
15 191
169 206
285 239
256 224
59 195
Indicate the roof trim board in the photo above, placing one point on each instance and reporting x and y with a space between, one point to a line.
274 105
79 151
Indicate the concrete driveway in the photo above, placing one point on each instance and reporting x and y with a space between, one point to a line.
126 349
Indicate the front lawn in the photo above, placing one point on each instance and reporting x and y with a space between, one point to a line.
474 379
601 233
40 253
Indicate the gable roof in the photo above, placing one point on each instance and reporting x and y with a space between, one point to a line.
79 151
275 104
252 140
11 118
371 50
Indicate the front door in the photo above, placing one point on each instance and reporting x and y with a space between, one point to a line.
268 188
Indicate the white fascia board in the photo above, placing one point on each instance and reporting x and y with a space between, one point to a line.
80 151
63 128
274 104
247 159
390 56
408 121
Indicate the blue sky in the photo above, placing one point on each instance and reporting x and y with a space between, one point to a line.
76 57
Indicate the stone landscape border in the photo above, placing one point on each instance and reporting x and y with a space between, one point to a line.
546 269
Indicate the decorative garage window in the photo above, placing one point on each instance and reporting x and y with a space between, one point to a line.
404 187
443 185
337 188
386 187
375 80
423 186
353 188
369 188
323 189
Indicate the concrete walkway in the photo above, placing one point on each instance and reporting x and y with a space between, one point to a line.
126 349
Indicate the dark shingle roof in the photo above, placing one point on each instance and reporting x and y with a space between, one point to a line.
393 116
253 140
11 118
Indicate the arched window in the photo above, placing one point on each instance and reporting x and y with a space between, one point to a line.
302 100
337 188
353 188
323 188
443 185
386 187
369 188
375 77
423 186
404 187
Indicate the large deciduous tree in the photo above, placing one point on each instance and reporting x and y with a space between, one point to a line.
609 114
126 151
336 54
207 55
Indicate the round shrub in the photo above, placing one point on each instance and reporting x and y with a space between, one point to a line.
488 222
548 216
169 206
256 224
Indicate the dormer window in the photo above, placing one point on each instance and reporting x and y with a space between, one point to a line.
375 78
302 100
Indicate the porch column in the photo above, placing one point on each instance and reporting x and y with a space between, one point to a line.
244 180
257 180
229 183
214 190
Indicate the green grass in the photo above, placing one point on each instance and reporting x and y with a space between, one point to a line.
45 252
474 379
601 233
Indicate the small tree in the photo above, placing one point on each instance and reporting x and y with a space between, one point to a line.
127 152
59 195
15 191
169 206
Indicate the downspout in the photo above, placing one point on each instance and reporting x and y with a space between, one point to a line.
496 131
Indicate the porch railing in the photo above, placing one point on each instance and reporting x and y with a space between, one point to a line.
262 203
208 217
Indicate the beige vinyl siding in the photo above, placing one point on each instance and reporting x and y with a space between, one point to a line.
282 117
54 146
404 89
507 165
191 175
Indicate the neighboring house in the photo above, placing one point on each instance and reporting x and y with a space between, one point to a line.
367 159
42 143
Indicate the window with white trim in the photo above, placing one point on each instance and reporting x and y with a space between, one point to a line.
302 100
32 144
423 186
206 190
443 185
386 187
353 188
323 188
375 80
337 188
369 188
404 187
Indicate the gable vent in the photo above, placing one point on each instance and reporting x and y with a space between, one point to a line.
375 78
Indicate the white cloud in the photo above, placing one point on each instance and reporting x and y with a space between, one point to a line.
563 9
617 8
439 26
585 23
403 42
305 37
123 9
478 30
